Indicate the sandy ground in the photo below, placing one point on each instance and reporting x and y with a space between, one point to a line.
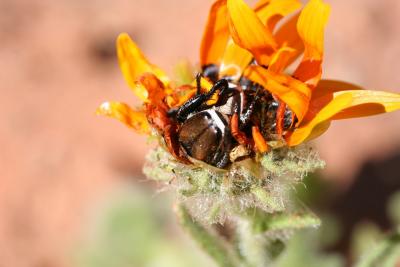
58 63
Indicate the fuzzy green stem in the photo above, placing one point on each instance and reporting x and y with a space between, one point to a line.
209 242
385 254
252 247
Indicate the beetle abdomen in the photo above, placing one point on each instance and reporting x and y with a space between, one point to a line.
204 137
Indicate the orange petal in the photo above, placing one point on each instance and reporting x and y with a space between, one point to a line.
154 87
184 93
368 103
133 64
259 140
276 9
287 36
345 104
328 87
318 130
235 60
135 119
249 32
310 26
216 34
294 93
281 59
323 94
261 4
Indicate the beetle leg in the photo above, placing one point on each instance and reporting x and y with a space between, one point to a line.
239 136
221 85
280 116
245 115
194 103
224 161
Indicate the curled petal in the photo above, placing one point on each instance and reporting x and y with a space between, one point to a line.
287 36
134 64
154 87
310 26
276 9
135 119
216 34
236 58
281 58
234 61
342 105
294 93
249 32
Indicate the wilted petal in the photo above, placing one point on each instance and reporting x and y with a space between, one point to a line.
342 105
134 64
135 119
310 26
156 92
216 34
249 32
291 91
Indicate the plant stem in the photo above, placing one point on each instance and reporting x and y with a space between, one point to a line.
210 242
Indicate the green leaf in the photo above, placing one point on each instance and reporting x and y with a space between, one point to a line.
280 221
266 199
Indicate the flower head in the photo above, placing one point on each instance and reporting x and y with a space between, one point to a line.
245 47
244 103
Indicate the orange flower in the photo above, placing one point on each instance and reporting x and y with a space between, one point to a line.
240 42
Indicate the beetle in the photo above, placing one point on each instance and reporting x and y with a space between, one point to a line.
209 133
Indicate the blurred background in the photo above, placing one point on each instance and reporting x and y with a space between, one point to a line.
71 188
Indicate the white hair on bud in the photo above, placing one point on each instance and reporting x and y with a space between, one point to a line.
213 195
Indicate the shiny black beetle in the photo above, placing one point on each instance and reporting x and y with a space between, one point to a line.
210 132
